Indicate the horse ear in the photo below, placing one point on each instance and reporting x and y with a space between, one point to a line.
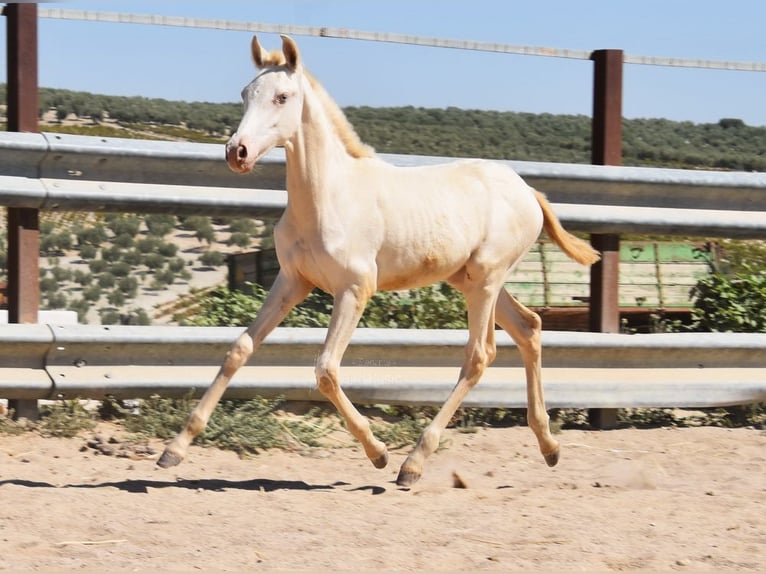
290 50
259 54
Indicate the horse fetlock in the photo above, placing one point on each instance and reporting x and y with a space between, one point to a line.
410 471
381 460
375 450
196 424
429 441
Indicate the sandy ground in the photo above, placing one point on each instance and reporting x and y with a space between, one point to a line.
684 500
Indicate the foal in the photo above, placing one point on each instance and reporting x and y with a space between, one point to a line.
355 224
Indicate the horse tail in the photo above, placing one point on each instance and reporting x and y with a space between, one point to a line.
574 247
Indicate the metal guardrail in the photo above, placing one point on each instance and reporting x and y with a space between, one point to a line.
63 172
393 366
70 173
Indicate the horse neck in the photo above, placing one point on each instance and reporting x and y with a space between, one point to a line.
314 156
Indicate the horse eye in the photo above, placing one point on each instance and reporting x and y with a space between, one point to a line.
280 99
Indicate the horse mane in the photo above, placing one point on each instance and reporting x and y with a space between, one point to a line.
355 147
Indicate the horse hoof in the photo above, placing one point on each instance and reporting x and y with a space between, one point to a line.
407 478
381 461
552 458
168 459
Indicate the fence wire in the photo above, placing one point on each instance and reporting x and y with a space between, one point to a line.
344 33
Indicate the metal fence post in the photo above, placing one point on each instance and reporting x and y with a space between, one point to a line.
23 223
606 150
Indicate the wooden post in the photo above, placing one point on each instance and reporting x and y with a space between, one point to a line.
606 150
23 223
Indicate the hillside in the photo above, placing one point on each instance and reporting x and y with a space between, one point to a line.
727 144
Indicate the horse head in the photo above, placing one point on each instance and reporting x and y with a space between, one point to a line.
273 104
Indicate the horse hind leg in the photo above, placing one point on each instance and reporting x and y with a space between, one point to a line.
284 295
479 353
524 327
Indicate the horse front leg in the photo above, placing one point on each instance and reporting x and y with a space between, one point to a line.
287 292
347 310
524 327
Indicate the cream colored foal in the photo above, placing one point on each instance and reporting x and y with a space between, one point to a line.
355 224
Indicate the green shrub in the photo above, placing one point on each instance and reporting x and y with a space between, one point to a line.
95 235
48 284
57 301
148 244
734 303
133 257
109 317
111 254
88 251
116 298
212 259
168 249
128 286
123 241
120 269
176 264
201 226
160 224
61 273
243 225
92 293
135 317
240 239
245 427
97 265
65 419
154 260
163 278
123 224
81 277
438 306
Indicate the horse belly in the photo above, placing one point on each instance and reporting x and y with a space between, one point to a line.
429 243
416 265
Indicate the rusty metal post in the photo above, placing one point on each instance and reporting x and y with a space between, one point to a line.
23 223
606 150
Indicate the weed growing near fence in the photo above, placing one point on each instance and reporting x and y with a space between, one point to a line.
65 419
248 427
245 427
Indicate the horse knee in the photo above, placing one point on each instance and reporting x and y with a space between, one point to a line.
238 354
476 362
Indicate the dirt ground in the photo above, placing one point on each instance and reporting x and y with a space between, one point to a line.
685 500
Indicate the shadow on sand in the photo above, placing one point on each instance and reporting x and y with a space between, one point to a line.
214 484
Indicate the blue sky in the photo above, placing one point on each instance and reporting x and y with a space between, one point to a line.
207 65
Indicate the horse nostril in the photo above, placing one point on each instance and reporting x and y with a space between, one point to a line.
241 152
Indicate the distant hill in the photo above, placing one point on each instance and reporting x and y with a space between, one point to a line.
727 144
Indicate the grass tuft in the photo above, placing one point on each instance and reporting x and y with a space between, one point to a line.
245 427
65 419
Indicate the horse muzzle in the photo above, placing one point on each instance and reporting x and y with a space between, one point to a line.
238 157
